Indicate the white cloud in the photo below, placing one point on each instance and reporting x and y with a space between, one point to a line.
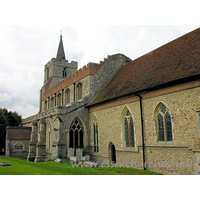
4 98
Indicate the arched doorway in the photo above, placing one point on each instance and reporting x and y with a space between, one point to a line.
76 135
112 153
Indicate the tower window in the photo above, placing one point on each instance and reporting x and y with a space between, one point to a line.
47 73
64 73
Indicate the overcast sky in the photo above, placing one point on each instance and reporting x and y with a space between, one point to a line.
24 51
30 33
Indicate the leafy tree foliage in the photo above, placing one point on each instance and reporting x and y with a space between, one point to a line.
7 119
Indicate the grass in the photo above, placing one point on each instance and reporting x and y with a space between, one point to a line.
20 166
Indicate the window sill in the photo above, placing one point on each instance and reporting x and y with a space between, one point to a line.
166 143
129 149
169 144
95 153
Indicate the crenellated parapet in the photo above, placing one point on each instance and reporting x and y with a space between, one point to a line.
55 61
91 68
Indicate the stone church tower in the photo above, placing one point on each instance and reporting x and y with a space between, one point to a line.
61 129
144 113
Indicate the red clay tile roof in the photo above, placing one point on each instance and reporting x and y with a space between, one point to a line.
17 133
176 60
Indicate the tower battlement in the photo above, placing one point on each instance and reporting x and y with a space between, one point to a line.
55 61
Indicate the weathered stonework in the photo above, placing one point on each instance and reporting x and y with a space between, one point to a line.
107 113
17 141
50 136
175 157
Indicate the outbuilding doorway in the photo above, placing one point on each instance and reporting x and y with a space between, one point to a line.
112 153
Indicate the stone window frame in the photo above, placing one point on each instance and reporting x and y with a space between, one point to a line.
79 91
52 102
64 73
67 96
158 112
45 105
19 146
76 129
59 99
95 134
124 116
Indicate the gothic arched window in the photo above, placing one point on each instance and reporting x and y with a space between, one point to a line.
67 96
76 134
95 135
79 91
164 125
59 100
128 129
52 102
45 105
64 73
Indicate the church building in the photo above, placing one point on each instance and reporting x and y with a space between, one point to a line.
143 113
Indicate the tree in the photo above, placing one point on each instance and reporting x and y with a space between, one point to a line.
7 119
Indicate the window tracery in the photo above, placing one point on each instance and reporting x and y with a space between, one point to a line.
128 131
64 73
96 135
164 124
76 134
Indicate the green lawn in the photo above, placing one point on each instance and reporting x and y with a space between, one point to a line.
20 166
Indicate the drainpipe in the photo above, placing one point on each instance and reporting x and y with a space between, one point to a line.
142 124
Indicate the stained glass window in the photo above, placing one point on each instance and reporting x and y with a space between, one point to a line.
96 136
168 127
132 133
129 130
126 132
164 123
160 128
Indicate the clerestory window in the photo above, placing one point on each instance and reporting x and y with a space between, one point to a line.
67 96
59 100
52 102
79 91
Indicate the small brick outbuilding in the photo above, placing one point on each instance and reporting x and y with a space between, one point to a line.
17 141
